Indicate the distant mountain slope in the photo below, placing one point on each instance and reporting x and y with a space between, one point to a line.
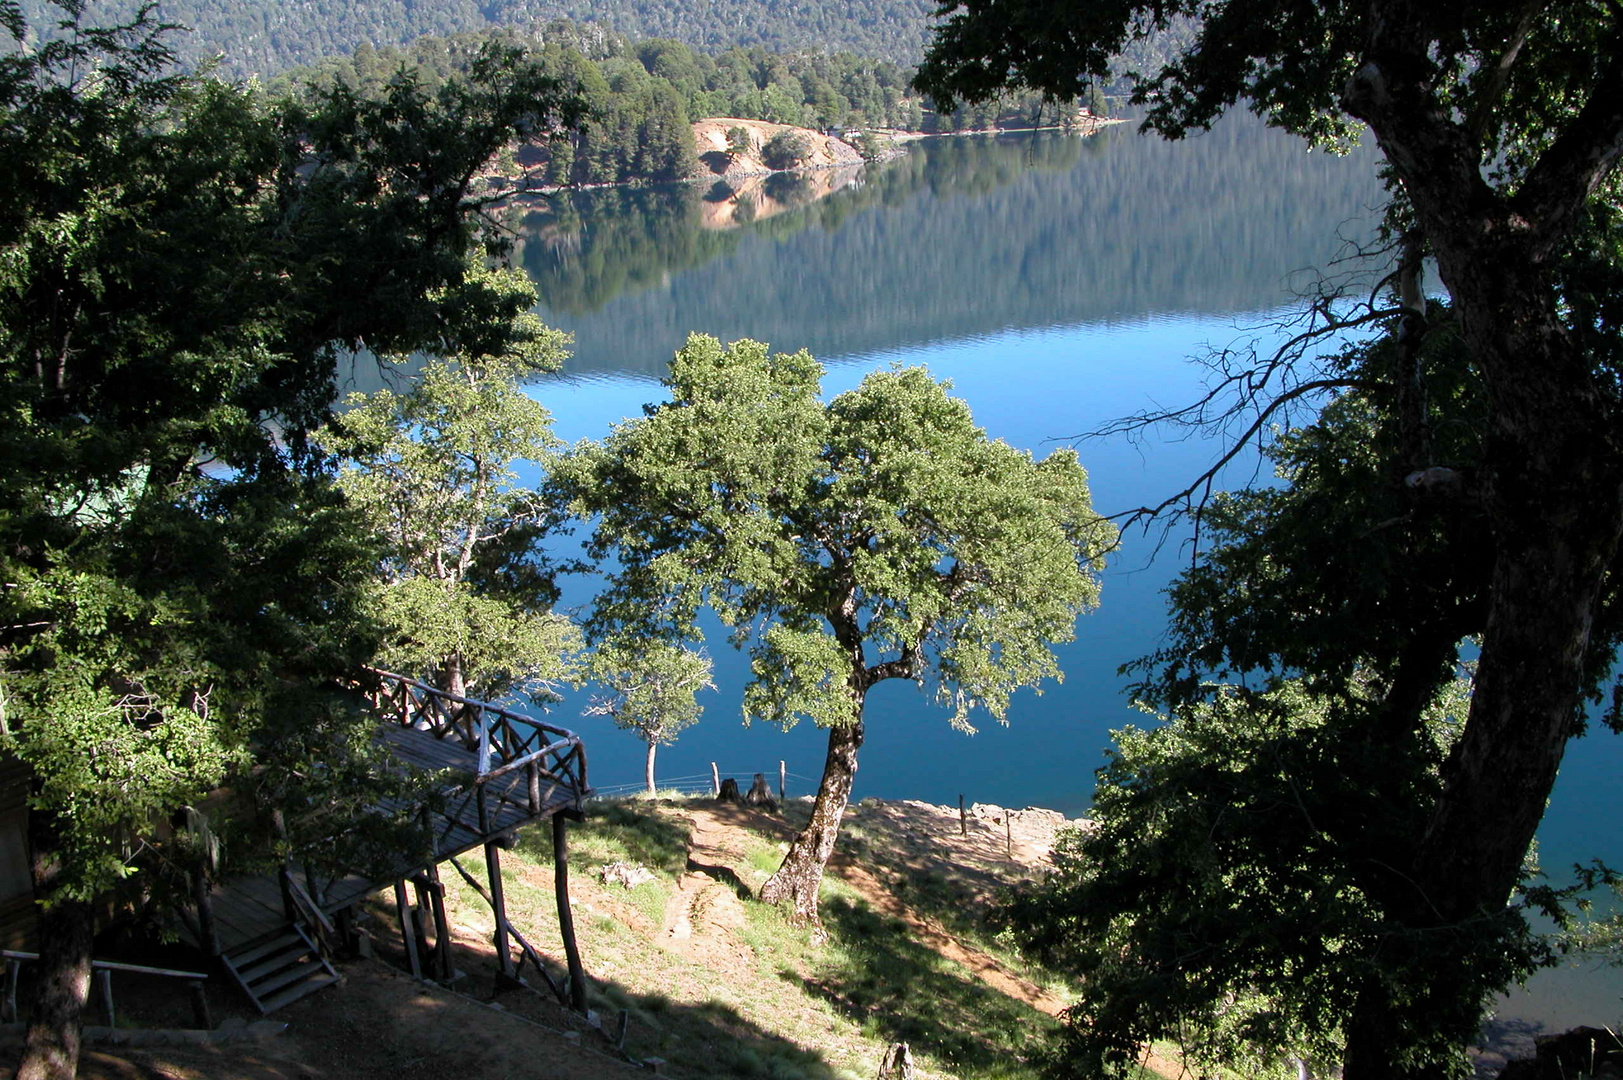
264 37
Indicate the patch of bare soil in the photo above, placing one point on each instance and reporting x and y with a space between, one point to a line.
710 140
378 1023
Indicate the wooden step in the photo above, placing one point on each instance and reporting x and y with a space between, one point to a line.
297 991
279 968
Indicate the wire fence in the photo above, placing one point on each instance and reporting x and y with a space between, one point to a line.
705 783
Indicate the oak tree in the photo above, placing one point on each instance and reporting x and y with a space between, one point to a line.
881 535
1501 126
466 591
650 687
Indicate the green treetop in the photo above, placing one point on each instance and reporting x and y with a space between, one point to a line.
1502 132
182 588
651 688
881 535
466 594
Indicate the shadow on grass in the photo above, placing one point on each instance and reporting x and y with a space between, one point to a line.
710 1040
902 991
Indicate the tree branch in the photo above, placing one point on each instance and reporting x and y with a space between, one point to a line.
1570 170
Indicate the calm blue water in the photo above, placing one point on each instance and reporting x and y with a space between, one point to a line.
1059 285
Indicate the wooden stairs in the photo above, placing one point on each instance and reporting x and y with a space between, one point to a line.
279 968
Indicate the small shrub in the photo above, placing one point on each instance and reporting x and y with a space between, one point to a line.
786 149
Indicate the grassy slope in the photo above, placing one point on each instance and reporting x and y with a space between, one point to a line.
734 991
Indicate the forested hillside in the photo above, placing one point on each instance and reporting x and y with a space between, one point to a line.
641 96
267 37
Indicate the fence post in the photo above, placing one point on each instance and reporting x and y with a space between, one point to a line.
783 776
200 1005
963 819
104 992
8 1010
715 779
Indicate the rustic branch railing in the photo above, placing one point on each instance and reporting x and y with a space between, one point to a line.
551 758
102 976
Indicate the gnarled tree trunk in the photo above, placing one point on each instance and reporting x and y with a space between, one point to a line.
796 883
1552 486
62 974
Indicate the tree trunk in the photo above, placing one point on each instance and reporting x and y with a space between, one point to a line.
62 974
452 680
1552 483
649 768
796 883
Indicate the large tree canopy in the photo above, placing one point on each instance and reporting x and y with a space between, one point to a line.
181 263
1502 126
879 536
466 594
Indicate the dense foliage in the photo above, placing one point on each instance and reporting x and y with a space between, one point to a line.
465 596
181 264
640 96
1490 494
881 535
266 38
1238 891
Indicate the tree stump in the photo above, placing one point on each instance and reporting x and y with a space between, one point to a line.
760 795
897 1063
729 791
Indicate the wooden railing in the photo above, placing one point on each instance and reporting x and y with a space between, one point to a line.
504 742
102 975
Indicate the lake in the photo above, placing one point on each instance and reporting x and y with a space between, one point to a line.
1059 282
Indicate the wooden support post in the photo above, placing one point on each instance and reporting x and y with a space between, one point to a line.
442 925
566 917
621 1028
715 779
8 1007
1008 832
104 996
200 1005
208 935
498 907
783 779
403 907
425 904
344 917
290 910
533 774
963 818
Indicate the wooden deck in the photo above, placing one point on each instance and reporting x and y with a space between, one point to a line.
506 770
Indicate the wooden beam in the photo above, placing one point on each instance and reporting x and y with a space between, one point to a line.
407 932
442 925
566 916
498 905
207 933
104 995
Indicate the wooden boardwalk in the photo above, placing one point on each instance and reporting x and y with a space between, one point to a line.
505 770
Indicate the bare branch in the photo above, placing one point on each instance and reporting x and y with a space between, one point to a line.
1203 483
1245 385
1477 124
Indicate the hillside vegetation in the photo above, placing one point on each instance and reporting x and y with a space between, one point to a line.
714 983
266 37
